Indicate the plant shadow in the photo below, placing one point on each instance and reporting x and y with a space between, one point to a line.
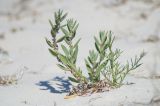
55 85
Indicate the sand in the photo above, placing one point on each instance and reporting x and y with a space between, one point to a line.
24 26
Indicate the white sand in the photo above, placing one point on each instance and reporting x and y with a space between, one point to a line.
24 25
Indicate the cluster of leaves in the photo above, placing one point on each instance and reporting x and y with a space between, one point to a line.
104 61
69 57
101 62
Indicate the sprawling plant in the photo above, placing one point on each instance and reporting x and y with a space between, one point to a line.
102 63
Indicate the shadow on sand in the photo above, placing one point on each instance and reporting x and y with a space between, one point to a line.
55 85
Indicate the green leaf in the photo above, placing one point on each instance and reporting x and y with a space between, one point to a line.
65 50
51 24
110 38
87 64
61 39
62 67
75 28
70 24
97 48
74 23
60 12
55 16
63 59
90 60
54 53
104 40
79 73
96 40
66 33
88 67
90 71
71 51
91 74
53 33
100 67
106 46
101 33
62 26
71 65
142 54
95 66
138 65
75 54
76 44
73 79
95 57
63 17
48 42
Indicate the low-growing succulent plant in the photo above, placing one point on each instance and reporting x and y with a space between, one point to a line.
69 57
102 63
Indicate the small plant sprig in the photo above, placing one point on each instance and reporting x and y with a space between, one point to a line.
69 57
102 63
105 61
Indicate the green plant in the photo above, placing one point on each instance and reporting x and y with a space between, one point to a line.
69 57
105 61
102 63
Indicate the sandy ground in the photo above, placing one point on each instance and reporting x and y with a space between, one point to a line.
24 25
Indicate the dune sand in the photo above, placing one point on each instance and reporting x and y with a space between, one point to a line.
24 25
